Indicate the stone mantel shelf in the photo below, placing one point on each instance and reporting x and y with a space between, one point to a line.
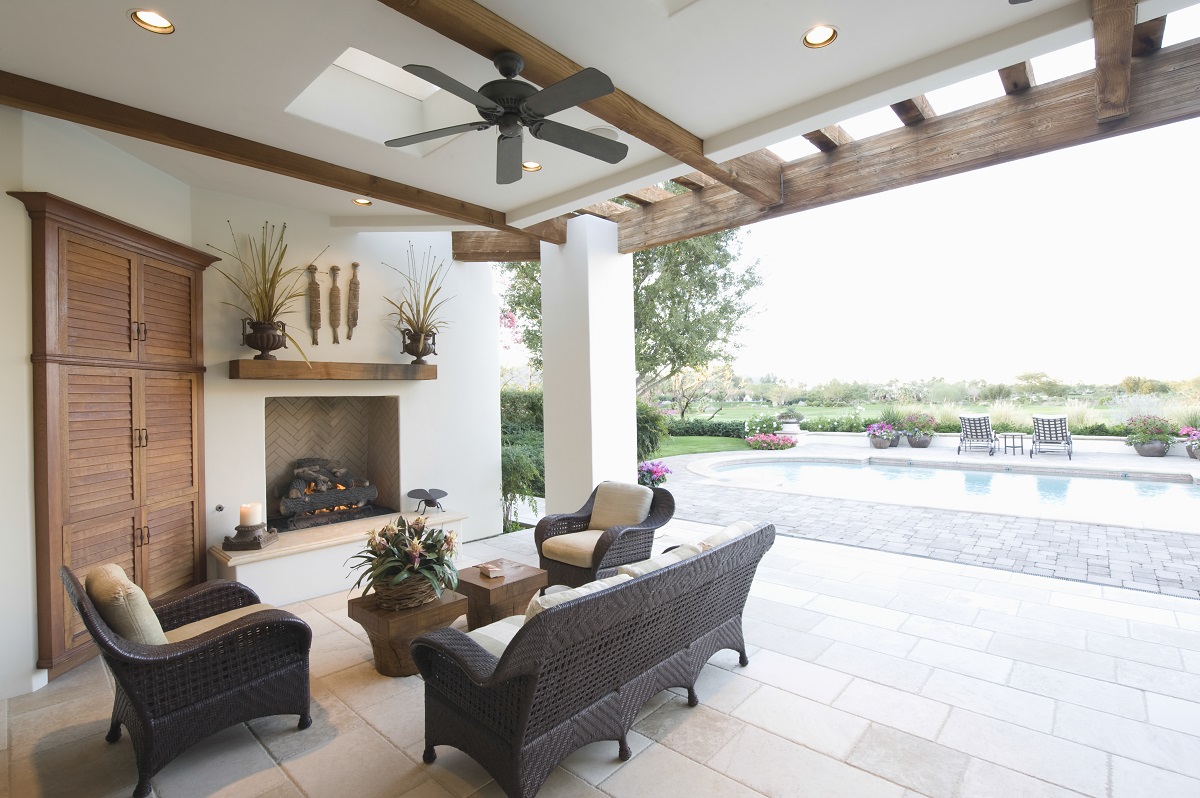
251 369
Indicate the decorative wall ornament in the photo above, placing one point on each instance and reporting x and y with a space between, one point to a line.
352 302
335 302
314 302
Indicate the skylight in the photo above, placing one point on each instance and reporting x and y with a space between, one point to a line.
384 73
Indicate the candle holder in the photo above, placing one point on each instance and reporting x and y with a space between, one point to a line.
249 538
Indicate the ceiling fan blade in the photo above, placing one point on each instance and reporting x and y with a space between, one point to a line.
508 159
573 138
585 85
444 81
416 138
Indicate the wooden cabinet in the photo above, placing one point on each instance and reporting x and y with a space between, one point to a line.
118 396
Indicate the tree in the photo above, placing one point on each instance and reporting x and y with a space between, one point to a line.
689 302
696 390
1037 382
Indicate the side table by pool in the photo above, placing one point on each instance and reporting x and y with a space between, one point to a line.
391 631
493 598
1013 442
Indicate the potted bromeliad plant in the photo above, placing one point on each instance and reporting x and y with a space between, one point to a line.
268 290
418 309
1150 436
881 434
1192 435
407 564
919 428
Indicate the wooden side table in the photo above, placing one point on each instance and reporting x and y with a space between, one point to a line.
391 631
495 597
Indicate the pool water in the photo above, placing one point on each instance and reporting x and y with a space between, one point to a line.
1123 502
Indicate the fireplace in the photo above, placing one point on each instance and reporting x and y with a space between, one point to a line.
331 459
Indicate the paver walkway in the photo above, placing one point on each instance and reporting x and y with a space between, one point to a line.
1156 561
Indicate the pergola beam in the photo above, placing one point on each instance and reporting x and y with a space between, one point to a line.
480 247
1165 88
1017 77
1112 24
84 109
1148 36
914 111
828 139
487 33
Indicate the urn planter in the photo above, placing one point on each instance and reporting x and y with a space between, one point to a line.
1151 448
882 443
919 441
265 336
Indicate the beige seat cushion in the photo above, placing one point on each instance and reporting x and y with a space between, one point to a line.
620 504
123 605
496 636
197 628
549 600
677 554
573 548
734 530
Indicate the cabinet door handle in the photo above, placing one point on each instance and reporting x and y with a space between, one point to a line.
145 437
137 438
144 331
147 530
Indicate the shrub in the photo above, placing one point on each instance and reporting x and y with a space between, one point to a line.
652 474
521 479
1144 429
712 429
521 408
919 423
762 423
769 441
850 423
651 429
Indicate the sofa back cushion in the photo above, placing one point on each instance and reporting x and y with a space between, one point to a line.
549 600
620 504
677 554
123 605
496 636
734 530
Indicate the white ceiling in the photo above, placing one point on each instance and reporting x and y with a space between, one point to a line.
729 71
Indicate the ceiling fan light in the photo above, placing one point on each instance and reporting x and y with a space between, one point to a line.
820 36
531 166
362 202
151 21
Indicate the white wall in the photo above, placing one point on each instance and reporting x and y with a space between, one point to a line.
449 427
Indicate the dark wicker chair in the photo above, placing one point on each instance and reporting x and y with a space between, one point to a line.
977 434
1050 434
617 546
172 696
579 672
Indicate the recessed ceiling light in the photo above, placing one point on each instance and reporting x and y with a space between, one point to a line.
604 131
531 166
152 21
362 202
820 36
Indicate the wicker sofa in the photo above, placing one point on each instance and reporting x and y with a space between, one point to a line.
579 671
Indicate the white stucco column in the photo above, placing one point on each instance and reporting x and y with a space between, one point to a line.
588 374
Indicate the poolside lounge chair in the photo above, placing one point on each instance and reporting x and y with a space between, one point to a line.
977 433
1050 434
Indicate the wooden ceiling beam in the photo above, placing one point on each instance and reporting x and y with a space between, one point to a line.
914 111
1166 88
487 33
84 109
648 196
605 210
1148 36
695 181
1017 77
484 247
828 139
1113 22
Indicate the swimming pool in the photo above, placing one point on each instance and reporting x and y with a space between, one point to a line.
1124 502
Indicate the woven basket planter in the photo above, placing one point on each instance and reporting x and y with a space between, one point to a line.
412 592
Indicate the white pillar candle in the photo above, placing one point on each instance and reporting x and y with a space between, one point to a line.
252 514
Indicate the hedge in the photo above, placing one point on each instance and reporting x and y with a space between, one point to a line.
708 429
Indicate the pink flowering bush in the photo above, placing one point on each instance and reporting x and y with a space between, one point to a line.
1191 433
652 474
770 441
1144 429
404 549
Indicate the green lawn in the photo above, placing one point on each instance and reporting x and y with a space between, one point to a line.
698 444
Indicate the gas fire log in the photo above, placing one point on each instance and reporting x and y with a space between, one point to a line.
323 485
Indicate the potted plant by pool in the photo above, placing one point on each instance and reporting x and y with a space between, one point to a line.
881 434
1192 434
919 428
1150 436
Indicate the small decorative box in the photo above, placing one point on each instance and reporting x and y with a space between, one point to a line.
495 568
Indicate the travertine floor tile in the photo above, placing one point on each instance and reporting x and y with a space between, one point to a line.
597 761
897 708
803 678
993 700
1142 742
283 740
337 651
917 763
866 636
962 660
1081 690
696 732
245 768
1136 780
60 723
358 763
661 772
820 727
360 686
843 658
60 771
985 780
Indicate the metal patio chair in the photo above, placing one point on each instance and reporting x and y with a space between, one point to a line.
977 433
1050 434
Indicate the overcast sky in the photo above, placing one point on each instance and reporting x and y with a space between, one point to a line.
1082 263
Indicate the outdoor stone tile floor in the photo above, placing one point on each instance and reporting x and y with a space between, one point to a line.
871 674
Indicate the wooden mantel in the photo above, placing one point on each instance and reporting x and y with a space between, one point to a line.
251 369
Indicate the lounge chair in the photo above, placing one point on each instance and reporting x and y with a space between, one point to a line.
1050 434
977 433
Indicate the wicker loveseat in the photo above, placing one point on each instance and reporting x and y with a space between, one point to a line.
578 672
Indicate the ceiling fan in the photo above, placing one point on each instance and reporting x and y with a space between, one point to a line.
512 104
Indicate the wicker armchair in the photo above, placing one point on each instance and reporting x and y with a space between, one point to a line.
617 545
977 433
172 696
1050 434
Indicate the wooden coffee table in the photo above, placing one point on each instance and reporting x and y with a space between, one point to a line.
497 597
391 631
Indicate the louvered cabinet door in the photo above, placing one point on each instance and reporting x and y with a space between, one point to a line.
97 299
96 541
169 453
101 446
169 313
170 549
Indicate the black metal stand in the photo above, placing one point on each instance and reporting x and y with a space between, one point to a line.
249 538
